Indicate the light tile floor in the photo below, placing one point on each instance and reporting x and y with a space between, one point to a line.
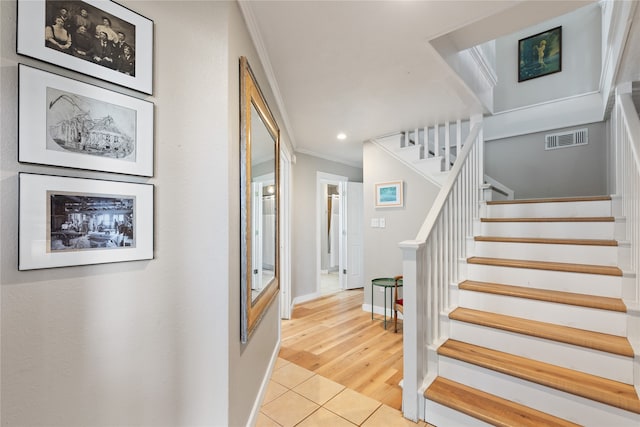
299 397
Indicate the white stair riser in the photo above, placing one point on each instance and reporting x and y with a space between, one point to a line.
431 165
558 230
607 365
551 401
591 319
410 153
558 209
591 284
581 254
440 415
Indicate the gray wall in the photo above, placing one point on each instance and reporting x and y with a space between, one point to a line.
152 343
581 62
382 256
304 246
522 164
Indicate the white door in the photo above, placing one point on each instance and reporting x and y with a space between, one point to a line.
354 233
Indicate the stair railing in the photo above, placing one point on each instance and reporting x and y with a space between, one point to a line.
626 125
430 266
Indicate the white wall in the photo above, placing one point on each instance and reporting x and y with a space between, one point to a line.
304 247
522 164
581 62
382 256
149 343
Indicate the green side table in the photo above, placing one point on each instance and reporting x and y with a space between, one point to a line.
387 283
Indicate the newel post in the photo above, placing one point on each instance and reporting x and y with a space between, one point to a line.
413 328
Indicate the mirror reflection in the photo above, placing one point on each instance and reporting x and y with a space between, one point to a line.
259 179
263 214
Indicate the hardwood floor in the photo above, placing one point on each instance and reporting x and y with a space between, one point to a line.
333 337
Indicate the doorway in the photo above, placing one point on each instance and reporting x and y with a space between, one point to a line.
329 237
339 234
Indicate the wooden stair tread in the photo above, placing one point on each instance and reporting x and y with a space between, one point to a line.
560 297
595 340
592 387
487 407
547 265
552 219
551 200
544 240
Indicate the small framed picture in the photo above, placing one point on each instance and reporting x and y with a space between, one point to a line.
64 122
389 194
99 38
540 54
76 221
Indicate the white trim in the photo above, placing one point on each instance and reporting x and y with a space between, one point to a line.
483 66
250 20
285 233
257 404
545 103
323 178
564 113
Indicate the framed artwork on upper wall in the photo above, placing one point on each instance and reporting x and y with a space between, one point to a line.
99 38
540 54
64 122
389 194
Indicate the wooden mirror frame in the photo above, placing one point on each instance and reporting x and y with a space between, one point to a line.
252 310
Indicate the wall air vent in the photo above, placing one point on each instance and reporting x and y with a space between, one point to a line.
566 139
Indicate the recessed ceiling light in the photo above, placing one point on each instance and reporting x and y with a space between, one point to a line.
341 136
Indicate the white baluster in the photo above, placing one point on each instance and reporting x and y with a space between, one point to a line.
447 146
436 140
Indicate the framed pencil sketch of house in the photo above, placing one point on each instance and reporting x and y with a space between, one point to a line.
540 54
76 221
389 194
64 122
99 38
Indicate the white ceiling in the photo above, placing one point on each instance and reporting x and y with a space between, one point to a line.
366 68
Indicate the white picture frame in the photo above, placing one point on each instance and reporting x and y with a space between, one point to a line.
389 194
35 15
64 122
65 221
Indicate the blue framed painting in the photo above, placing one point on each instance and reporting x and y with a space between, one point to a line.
540 54
389 194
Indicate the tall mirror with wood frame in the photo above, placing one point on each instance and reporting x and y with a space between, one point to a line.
259 179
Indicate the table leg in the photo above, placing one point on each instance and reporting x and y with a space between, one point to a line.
385 308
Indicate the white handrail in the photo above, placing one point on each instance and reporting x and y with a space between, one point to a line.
627 167
442 196
430 265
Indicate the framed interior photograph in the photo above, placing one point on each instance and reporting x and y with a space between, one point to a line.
67 221
540 54
99 38
389 194
64 122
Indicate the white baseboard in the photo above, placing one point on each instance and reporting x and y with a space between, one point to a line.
253 418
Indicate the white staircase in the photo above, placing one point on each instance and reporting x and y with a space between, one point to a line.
412 155
539 331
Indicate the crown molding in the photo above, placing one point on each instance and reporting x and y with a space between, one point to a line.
256 37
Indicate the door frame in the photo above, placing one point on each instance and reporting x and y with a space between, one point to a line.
323 178
285 232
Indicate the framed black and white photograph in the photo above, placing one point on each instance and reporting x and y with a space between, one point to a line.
99 38
64 122
77 221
